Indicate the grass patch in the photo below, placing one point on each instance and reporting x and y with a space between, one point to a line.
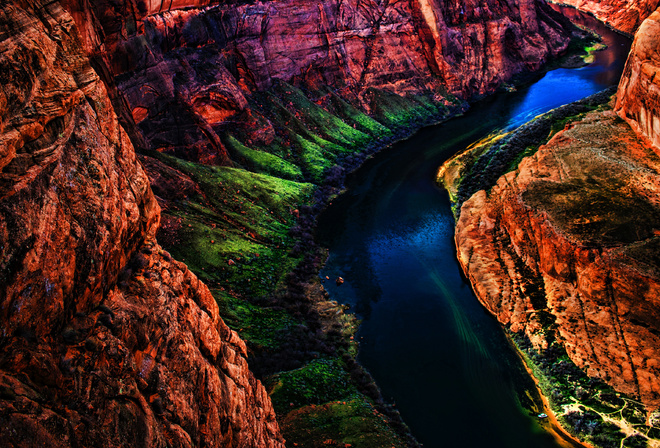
263 162
315 159
351 423
318 382
260 327
395 111
236 235
319 121
354 117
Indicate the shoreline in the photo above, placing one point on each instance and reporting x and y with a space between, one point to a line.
553 427
406 132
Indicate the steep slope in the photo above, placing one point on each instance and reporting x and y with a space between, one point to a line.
563 250
106 341
638 99
566 243
188 73
622 15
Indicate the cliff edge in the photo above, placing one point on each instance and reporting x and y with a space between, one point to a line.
106 340
563 251
638 98
623 15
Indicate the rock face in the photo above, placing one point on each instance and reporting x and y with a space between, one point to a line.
106 341
567 244
623 15
639 91
186 76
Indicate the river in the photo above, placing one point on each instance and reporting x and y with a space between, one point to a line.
432 348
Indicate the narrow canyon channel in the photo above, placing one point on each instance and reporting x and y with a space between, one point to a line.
432 348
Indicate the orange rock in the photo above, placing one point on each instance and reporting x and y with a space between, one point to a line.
407 48
638 97
106 341
569 233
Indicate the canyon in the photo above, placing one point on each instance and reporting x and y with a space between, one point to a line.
207 128
106 340
622 15
562 247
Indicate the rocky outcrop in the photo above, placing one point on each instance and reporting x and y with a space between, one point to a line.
566 247
187 76
106 341
639 90
622 15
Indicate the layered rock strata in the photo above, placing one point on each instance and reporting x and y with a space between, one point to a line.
623 15
638 99
106 341
187 74
566 247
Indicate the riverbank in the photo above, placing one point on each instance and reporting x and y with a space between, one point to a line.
247 231
249 236
546 319
564 438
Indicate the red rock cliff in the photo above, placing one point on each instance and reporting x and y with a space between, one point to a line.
565 246
572 234
187 75
638 98
623 15
106 341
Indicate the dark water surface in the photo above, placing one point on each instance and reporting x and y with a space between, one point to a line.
429 344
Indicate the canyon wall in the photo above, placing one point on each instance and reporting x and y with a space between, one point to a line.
622 15
106 340
565 247
638 98
187 75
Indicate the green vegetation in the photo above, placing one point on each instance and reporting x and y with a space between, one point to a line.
235 234
264 162
354 423
587 407
247 231
319 121
583 44
397 112
320 381
480 166
354 117
591 205
324 408
259 326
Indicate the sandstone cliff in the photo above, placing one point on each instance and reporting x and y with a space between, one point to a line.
638 99
622 15
565 247
106 341
187 73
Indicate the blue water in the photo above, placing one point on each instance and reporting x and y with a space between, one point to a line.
432 348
